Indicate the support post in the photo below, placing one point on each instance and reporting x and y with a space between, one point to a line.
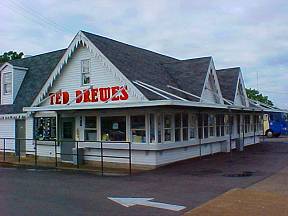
4 150
35 153
55 153
130 159
77 150
102 162
19 149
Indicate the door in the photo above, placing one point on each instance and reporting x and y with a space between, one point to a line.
20 135
67 138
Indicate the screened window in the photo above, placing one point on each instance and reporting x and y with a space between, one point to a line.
185 119
113 128
90 131
178 127
192 127
138 129
159 128
7 83
226 124
85 71
211 122
45 128
167 127
220 125
205 125
247 123
152 128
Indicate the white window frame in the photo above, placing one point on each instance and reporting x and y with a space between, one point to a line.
145 128
85 73
5 83
94 129
195 126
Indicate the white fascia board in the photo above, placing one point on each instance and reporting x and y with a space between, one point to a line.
13 116
134 105
5 65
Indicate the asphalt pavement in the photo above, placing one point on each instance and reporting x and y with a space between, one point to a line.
189 183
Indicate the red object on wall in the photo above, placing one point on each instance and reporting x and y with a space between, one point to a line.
114 93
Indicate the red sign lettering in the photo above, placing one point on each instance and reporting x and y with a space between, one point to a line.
92 95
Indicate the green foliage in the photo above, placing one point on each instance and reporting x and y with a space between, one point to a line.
11 55
256 95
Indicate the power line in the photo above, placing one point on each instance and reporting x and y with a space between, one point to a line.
34 16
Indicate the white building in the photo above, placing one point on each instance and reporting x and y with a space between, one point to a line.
101 89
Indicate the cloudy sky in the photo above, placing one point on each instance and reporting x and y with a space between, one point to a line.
250 34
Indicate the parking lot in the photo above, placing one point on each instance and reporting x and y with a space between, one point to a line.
189 183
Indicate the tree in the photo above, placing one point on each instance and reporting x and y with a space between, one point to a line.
256 95
11 55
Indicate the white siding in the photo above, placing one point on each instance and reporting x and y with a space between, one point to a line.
70 78
6 99
7 130
18 76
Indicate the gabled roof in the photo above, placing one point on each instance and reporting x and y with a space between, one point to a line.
228 79
39 69
136 63
190 74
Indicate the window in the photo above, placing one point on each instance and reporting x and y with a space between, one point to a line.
205 125
90 131
138 129
7 83
159 127
85 71
211 123
226 124
192 127
152 128
185 126
167 127
113 128
178 127
220 125
200 126
45 128
247 123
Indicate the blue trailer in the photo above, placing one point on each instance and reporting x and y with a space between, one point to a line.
275 123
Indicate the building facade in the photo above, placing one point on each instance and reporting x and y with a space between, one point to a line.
99 89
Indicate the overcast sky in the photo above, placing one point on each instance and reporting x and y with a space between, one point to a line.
250 34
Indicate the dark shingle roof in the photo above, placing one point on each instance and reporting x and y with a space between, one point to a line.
153 68
39 69
136 63
190 74
228 78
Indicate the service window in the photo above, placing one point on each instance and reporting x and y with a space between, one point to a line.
113 128
45 128
159 128
152 128
85 71
205 125
192 127
7 83
247 123
178 127
167 127
90 131
138 129
220 125
185 118
211 122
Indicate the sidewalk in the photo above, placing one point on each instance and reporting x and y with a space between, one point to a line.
265 198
